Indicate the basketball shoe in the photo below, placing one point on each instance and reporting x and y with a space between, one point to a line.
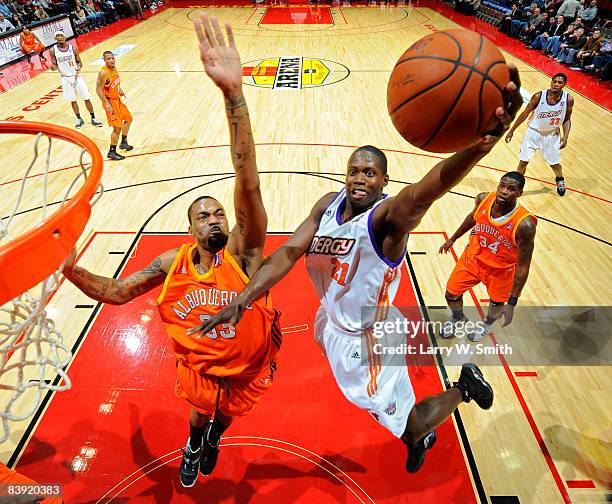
416 452
472 385
79 123
125 146
450 327
190 466
210 452
115 156
561 188
95 122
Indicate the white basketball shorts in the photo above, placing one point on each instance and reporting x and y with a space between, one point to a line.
73 87
548 144
371 382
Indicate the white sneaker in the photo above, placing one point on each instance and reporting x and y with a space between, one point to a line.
480 331
450 327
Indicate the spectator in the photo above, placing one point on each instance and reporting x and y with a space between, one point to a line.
515 13
80 19
92 16
530 31
5 24
554 44
40 14
554 30
569 9
545 26
5 10
518 27
97 12
590 13
572 46
588 51
16 20
601 59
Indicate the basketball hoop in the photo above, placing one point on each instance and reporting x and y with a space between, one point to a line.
32 352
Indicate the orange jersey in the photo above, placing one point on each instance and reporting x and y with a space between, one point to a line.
111 86
494 243
188 299
29 40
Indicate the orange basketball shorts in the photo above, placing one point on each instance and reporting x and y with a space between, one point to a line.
238 396
470 272
119 115
9 477
29 49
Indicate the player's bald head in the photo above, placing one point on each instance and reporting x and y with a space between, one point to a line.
197 200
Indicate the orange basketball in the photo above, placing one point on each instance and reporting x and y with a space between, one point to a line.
444 90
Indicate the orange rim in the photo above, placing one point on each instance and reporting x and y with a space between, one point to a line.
34 255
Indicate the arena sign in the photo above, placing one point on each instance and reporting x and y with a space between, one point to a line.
292 72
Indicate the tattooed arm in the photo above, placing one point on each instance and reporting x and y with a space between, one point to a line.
222 64
120 290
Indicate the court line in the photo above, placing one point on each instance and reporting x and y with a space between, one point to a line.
251 444
294 329
521 399
309 144
460 427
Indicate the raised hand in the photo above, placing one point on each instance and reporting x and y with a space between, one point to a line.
513 101
221 61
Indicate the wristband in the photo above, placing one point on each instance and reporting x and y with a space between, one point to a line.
512 300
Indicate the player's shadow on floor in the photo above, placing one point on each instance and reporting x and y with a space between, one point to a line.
542 190
586 454
163 483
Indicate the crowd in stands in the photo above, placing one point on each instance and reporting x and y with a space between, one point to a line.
567 31
86 14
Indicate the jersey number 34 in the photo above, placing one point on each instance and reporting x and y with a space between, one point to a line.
493 246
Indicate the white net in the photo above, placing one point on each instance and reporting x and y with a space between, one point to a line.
33 355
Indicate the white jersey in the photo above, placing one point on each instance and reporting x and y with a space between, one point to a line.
349 270
66 61
549 117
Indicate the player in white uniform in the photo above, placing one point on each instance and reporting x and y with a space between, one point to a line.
67 60
354 242
550 113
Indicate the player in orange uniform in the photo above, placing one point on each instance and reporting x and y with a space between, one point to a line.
498 254
30 44
224 373
119 117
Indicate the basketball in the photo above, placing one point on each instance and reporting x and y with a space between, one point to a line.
444 90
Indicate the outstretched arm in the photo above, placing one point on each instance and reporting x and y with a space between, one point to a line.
567 124
468 223
397 216
533 103
273 269
119 290
525 239
222 64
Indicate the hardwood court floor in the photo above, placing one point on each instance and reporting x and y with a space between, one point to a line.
546 439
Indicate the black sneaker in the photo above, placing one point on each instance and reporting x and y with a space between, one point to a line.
416 452
210 454
79 123
473 386
561 188
115 156
190 466
95 122
125 146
